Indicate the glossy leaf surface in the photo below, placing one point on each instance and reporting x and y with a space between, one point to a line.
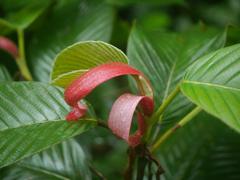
63 161
32 119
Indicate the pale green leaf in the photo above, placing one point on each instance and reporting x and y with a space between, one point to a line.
80 57
32 118
213 83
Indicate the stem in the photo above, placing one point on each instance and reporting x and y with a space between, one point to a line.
21 60
157 163
166 102
141 165
156 116
131 160
181 123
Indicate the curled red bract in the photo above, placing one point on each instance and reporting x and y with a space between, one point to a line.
121 115
78 111
8 46
85 84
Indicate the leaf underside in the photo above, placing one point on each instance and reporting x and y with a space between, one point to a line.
80 57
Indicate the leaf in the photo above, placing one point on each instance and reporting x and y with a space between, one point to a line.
63 161
164 57
14 5
203 149
137 2
22 18
32 119
69 22
4 74
80 57
121 117
213 83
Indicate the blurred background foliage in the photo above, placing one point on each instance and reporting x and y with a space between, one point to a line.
50 26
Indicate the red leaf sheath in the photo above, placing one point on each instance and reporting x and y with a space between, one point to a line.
121 115
9 46
84 85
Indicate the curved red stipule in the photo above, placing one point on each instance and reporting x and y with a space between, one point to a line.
9 46
121 115
85 84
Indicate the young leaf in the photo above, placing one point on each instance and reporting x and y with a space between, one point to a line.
164 57
32 119
63 161
85 84
69 22
80 57
213 83
121 116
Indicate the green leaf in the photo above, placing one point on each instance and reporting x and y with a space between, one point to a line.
64 161
203 149
80 57
213 83
14 5
4 74
22 18
142 2
69 22
32 119
164 57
